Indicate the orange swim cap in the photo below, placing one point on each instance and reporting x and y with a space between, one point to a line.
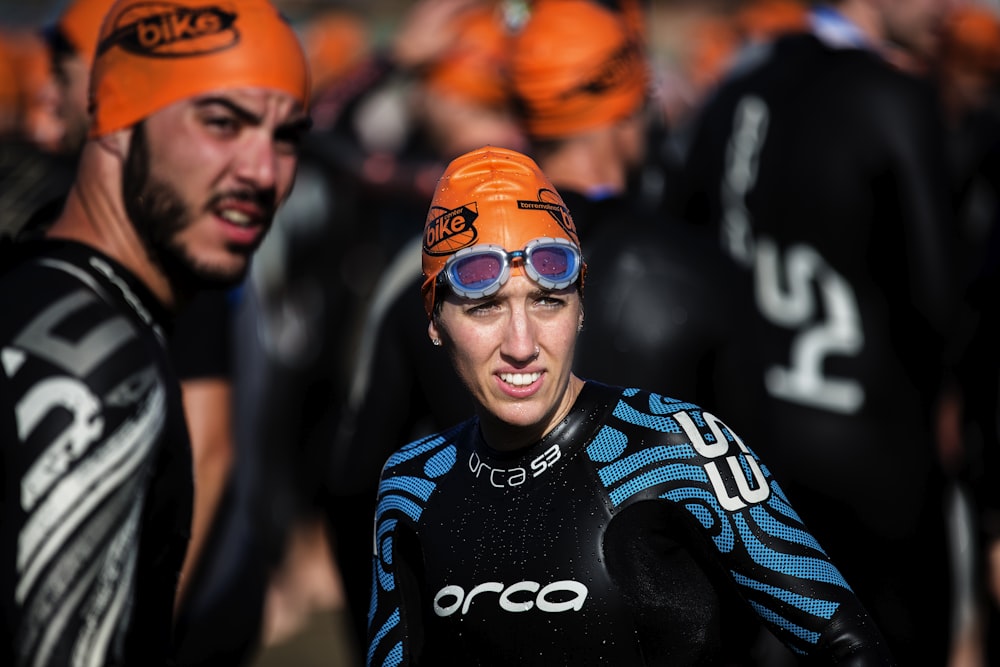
490 195
80 24
152 54
577 66
334 42
10 92
475 68
972 39
761 20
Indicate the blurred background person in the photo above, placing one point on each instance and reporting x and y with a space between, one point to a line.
580 75
968 74
33 176
813 164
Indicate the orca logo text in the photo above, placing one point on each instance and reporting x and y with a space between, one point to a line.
559 596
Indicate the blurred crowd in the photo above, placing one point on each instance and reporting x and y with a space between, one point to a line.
303 380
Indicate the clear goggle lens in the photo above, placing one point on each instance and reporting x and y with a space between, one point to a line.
481 270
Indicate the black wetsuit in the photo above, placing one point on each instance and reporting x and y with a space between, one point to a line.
621 538
97 482
822 170
662 302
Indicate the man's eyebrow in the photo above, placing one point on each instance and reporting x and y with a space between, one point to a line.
301 124
242 112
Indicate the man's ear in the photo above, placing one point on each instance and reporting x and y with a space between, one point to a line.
117 142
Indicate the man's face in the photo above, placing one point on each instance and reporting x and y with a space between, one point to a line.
204 177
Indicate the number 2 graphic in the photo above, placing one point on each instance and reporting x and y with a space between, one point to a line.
794 307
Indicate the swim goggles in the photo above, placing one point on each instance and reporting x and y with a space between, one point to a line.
480 271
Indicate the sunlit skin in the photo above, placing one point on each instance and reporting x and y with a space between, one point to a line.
500 334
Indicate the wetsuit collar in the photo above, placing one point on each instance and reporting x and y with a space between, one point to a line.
584 420
836 30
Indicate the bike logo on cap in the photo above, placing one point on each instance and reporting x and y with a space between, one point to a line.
450 230
166 30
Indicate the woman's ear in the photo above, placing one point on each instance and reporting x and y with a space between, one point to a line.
432 332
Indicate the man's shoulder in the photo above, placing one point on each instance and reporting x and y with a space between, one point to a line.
803 60
34 281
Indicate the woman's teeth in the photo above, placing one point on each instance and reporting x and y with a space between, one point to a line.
520 379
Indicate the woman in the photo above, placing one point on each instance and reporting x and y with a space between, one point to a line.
572 522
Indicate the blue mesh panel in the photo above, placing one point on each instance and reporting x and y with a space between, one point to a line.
781 530
628 414
702 514
395 502
619 470
607 446
384 527
440 463
413 450
725 539
807 636
415 486
662 475
395 656
799 567
822 608
661 405
386 581
387 627
779 503
373 599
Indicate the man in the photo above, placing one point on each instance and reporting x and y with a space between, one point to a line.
192 146
200 349
820 167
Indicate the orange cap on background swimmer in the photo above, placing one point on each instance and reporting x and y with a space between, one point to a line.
576 66
766 19
713 43
334 41
28 87
475 68
490 195
972 39
10 92
152 54
80 24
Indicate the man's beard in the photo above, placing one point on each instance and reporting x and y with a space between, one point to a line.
159 215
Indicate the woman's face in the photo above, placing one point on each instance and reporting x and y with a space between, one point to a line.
514 352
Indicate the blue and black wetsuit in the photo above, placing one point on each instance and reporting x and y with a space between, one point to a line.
640 531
